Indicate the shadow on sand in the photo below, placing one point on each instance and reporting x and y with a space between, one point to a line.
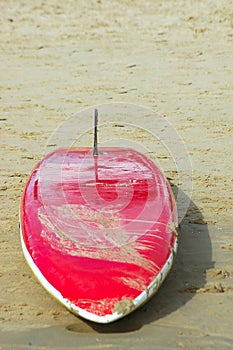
188 274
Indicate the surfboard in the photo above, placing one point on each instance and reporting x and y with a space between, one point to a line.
98 229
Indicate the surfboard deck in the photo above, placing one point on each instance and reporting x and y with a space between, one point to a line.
99 232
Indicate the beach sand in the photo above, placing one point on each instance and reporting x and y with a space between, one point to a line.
173 57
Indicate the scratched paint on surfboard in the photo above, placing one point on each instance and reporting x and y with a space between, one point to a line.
94 244
100 229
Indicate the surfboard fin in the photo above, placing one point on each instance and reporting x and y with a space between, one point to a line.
95 147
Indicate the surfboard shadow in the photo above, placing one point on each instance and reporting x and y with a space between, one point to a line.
187 277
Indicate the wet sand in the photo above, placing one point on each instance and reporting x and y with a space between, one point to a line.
173 58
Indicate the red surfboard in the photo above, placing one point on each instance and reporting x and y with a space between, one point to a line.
98 229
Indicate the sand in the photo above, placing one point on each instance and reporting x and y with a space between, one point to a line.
173 57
